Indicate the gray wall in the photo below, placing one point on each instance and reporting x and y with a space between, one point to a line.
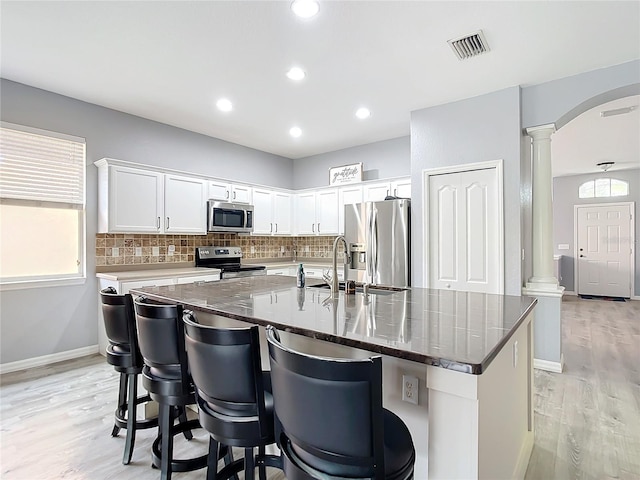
474 130
565 196
45 321
389 158
562 100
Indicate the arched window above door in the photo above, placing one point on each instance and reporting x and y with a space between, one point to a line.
603 187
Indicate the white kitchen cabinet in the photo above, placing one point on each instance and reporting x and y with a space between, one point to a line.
283 271
229 192
271 212
347 196
317 213
185 205
139 200
374 192
198 278
129 199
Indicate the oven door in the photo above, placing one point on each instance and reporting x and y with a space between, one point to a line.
229 217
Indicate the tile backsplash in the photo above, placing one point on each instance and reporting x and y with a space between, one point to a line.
135 249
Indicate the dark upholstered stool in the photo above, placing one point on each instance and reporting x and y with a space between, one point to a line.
123 353
234 395
166 377
332 423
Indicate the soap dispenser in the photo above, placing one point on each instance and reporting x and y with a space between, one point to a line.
300 277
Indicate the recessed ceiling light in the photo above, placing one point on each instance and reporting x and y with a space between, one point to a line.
296 73
295 132
363 113
305 8
224 105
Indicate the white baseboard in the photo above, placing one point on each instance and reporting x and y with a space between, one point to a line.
570 292
524 457
549 366
47 359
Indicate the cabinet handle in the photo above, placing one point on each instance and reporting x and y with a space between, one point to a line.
394 192
158 224
318 227
276 227
227 193
167 227
270 227
387 192
234 195
313 228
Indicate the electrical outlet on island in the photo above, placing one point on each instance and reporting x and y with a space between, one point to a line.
410 389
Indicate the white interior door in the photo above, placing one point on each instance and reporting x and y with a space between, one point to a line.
604 253
465 240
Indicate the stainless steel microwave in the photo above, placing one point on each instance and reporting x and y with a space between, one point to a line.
229 217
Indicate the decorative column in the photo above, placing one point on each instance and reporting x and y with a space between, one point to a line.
543 275
543 284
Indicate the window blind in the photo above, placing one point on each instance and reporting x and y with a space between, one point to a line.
39 167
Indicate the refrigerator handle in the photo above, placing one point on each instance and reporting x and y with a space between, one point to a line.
374 245
368 265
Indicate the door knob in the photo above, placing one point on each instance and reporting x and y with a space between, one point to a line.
581 255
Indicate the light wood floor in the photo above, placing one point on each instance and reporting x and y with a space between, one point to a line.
56 421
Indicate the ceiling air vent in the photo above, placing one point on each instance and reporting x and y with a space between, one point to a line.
469 45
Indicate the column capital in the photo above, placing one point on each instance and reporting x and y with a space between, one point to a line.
541 131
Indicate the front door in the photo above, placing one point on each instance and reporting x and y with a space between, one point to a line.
465 243
604 249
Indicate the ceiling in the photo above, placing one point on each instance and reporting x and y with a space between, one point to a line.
171 61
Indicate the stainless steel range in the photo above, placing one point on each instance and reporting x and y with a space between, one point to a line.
227 259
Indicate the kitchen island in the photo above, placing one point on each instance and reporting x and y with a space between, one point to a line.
471 354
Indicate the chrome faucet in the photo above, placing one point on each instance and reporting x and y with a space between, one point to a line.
333 279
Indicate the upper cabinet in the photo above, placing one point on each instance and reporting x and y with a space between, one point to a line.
317 212
137 200
229 192
271 212
374 192
347 196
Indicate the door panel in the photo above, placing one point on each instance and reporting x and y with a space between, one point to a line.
604 250
464 245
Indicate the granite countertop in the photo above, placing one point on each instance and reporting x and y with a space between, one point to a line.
130 275
461 331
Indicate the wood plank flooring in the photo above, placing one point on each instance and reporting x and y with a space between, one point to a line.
55 421
587 420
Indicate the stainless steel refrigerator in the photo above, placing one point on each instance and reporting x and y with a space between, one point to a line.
378 237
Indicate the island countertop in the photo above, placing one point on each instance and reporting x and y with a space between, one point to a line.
461 331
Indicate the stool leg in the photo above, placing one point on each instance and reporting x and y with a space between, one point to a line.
131 418
228 460
212 462
166 441
182 418
262 468
122 400
249 464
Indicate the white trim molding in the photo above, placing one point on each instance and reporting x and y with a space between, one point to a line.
555 367
47 359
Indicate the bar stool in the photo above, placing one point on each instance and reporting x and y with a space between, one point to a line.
235 404
123 353
166 377
332 421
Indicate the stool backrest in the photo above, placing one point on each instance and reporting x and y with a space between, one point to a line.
161 337
119 321
225 367
330 410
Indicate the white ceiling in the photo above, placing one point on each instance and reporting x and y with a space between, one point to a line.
170 61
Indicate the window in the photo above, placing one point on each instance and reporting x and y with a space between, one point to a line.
42 207
603 187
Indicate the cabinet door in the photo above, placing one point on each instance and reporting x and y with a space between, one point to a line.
135 200
347 196
151 282
262 211
240 194
282 213
401 188
327 212
185 209
219 190
306 213
376 191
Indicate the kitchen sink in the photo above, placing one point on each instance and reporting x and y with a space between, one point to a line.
373 289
